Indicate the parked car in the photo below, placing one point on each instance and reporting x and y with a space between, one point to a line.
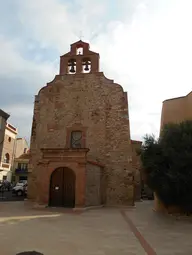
20 182
25 189
20 189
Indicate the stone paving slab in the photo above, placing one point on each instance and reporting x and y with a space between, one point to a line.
98 232
167 235
135 231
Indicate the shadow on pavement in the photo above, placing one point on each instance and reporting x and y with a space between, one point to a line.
8 196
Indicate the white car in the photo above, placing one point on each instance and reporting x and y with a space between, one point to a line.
20 189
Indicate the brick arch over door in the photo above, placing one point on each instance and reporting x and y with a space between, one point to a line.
72 159
62 188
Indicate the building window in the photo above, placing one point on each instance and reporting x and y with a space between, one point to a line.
22 178
25 150
9 139
4 177
6 158
76 139
22 166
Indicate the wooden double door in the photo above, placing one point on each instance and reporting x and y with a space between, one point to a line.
62 188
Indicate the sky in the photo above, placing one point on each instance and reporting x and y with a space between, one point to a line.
144 45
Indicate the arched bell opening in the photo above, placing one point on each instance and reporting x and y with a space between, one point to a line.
86 65
72 66
79 50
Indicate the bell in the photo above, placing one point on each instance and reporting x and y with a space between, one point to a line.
72 69
86 67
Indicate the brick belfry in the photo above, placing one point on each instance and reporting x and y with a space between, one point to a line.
80 141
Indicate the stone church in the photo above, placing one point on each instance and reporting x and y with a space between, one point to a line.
81 152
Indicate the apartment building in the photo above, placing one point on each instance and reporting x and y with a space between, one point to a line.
20 169
21 160
21 147
8 151
3 119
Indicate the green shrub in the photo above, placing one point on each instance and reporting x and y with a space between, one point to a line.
167 164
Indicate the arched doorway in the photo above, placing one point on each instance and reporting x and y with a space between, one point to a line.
62 188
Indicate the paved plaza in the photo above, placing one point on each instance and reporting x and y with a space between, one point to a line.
134 231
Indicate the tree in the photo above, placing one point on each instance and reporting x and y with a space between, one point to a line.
167 165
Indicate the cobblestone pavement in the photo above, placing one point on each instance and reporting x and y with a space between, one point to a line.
137 231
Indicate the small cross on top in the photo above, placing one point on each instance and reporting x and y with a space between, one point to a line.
81 35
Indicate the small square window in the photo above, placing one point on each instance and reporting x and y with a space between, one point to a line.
76 139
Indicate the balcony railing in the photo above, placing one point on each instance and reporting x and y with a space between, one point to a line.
5 166
21 170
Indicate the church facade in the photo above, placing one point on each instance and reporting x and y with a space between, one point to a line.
81 152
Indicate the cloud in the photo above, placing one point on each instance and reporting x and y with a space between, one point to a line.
57 23
20 80
151 57
145 45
